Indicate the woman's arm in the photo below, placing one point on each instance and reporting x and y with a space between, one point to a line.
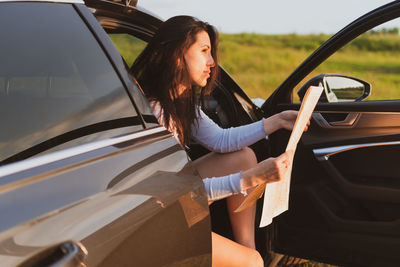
224 186
210 135
268 171
283 120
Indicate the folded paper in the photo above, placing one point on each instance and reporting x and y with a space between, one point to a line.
276 195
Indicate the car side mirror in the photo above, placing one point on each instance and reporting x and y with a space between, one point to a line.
338 88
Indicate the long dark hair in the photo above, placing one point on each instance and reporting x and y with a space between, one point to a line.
159 72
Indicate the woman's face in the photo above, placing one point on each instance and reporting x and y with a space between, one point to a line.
199 60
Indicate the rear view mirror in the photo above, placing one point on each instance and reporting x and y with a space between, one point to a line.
338 88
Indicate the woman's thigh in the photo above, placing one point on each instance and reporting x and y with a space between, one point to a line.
220 164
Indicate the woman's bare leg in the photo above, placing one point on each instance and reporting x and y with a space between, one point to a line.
242 222
225 252
216 164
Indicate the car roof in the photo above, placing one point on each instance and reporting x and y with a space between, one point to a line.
51 1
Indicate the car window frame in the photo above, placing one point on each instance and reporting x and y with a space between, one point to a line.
111 53
96 22
283 93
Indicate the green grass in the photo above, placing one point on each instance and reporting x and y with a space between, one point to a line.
260 63
128 46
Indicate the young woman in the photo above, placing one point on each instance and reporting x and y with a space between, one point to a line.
176 70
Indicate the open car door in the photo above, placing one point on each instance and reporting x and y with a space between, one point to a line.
345 189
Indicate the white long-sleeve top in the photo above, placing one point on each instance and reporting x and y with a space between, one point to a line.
207 133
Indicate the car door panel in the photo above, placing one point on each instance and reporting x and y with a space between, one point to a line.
345 192
370 127
116 197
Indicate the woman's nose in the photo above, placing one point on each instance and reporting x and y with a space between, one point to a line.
210 61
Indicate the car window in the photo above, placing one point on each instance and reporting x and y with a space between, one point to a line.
57 88
373 57
128 46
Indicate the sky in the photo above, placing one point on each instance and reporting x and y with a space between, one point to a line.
268 16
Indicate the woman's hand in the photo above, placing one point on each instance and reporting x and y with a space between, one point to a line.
283 120
267 171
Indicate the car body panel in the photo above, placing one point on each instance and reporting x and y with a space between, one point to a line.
129 198
105 198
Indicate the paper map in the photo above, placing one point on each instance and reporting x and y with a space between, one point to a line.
276 198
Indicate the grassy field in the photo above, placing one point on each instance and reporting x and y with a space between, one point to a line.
260 63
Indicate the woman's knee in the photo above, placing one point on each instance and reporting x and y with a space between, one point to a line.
255 259
247 157
225 252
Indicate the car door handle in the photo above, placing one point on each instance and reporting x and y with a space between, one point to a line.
66 254
349 120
